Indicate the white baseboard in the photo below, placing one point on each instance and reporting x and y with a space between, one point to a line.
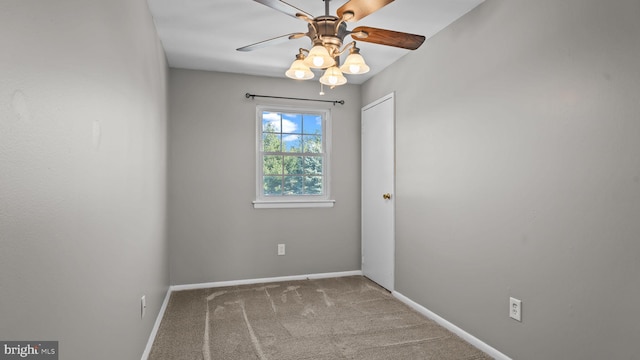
264 280
451 327
156 326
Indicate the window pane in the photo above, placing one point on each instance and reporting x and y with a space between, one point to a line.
293 185
291 123
293 165
271 142
312 124
291 153
312 143
272 165
313 185
292 143
313 165
272 185
271 122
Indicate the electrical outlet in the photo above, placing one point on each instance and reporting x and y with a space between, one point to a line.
143 306
281 249
515 309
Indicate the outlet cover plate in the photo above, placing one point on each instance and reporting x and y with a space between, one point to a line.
281 249
515 309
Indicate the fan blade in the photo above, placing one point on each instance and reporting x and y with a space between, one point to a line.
387 37
284 8
361 8
274 41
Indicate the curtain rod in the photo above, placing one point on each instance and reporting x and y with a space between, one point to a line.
253 96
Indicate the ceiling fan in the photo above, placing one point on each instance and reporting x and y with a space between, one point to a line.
327 33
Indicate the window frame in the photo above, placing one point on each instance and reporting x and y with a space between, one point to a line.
263 201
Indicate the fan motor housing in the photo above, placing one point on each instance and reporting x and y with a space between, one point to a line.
329 29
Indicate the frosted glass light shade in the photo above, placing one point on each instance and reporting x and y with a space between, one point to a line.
319 58
354 64
299 71
333 77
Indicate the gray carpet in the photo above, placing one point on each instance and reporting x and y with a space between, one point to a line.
337 318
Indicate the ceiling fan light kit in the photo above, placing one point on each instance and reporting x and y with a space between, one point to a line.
327 34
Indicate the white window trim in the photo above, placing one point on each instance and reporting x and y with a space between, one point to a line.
292 204
289 202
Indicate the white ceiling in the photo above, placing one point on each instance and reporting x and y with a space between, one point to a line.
204 34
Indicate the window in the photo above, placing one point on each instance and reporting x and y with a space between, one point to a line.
292 158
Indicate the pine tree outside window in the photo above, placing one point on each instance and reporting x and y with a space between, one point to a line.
292 157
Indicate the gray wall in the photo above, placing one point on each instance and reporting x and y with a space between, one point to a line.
518 174
83 108
215 234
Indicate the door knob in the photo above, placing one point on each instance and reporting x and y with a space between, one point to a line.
386 196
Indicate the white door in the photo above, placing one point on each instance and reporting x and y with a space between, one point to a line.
378 200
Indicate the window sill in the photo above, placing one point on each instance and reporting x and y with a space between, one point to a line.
292 204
